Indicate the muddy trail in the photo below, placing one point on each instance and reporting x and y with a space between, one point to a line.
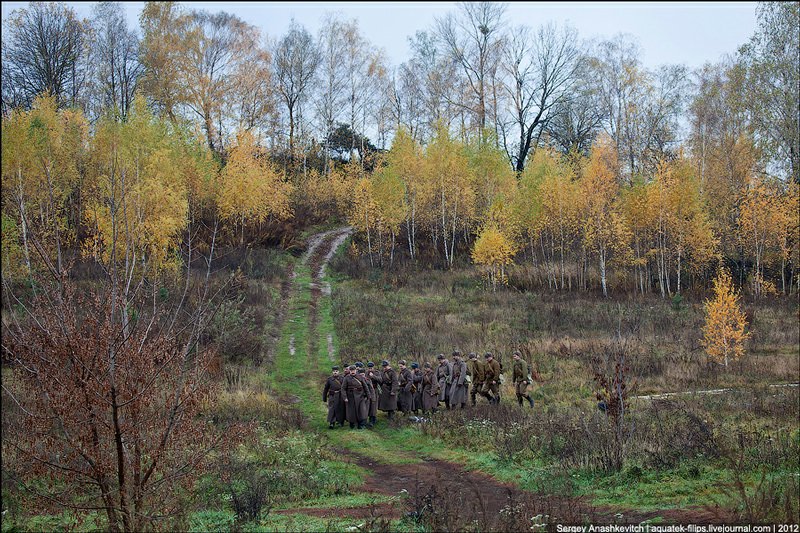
274 333
320 250
443 495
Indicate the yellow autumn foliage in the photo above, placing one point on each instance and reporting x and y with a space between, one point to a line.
251 189
138 200
724 330
494 251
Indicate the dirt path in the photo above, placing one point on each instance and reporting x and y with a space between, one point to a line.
447 497
663 395
443 493
274 333
320 251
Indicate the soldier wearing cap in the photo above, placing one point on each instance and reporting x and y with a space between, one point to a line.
332 395
521 379
416 371
389 386
369 397
374 376
354 395
443 373
405 398
477 374
491 384
458 387
430 390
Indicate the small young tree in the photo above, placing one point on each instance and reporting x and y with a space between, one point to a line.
495 251
612 376
109 416
723 332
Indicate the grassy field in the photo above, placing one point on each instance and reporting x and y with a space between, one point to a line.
694 457
737 451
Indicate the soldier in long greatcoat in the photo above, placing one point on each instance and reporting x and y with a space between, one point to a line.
443 373
417 373
405 398
458 387
389 387
430 390
369 397
354 396
374 377
332 394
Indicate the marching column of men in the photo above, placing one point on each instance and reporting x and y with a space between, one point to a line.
356 395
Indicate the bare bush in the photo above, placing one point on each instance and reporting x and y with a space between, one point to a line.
112 413
774 495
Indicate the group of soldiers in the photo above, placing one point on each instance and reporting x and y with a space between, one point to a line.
357 393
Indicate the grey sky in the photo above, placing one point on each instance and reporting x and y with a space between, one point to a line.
691 33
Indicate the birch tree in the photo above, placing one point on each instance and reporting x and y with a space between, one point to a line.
473 38
447 170
118 68
296 59
251 190
724 329
605 230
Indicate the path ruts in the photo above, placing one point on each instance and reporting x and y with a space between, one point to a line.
321 249
280 318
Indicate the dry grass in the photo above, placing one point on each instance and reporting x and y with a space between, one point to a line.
435 311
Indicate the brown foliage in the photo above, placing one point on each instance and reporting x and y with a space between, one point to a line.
110 413
612 375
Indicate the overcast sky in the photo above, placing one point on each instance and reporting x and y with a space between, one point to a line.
690 33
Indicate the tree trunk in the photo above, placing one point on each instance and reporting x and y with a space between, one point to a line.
603 272
369 240
391 253
291 138
24 222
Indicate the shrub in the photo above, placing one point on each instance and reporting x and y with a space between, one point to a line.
234 332
277 469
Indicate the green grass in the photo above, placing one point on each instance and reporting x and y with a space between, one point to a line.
303 522
212 520
653 490
66 521
293 375
342 501
404 445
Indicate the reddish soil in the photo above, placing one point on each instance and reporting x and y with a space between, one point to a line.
448 492
464 498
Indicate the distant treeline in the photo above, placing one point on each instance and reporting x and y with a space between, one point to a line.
498 143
